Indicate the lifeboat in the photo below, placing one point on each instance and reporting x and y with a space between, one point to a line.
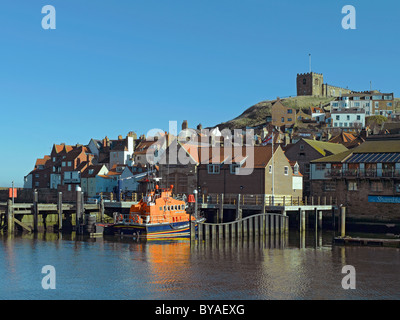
156 215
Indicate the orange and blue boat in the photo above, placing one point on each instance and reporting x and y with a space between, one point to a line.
157 215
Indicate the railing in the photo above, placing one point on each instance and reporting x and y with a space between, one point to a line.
259 199
362 173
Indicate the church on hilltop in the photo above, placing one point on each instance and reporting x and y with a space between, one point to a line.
312 84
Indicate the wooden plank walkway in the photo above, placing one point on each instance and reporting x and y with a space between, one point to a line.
349 241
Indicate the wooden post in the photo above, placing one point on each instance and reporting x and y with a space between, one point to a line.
302 221
207 231
245 230
343 222
102 210
192 230
272 224
226 231
320 220
264 203
213 232
233 230
78 207
315 219
10 216
221 231
267 217
221 209
256 225
35 211
324 200
251 227
59 210
277 225
238 208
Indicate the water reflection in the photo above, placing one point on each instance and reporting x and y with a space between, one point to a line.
295 266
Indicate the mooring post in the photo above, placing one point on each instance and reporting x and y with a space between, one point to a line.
277 225
35 211
320 220
316 219
302 220
78 210
221 209
264 203
10 216
343 222
102 210
238 208
272 224
59 210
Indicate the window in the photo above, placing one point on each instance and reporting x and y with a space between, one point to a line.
165 208
37 184
289 111
63 164
304 81
397 186
69 187
388 97
69 163
289 119
376 186
320 166
345 124
54 159
352 186
330 186
368 98
356 104
213 169
283 119
37 175
296 169
337 117
376 97
376 104
340 124
358 117
286 171
389 104
347 117
356 98
91 171
235 168
302 147
270 169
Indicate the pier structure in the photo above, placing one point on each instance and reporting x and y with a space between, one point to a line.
222 208
226 214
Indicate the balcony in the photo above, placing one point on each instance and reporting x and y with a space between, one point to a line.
362 173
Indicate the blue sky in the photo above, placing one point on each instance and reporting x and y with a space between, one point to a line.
111 67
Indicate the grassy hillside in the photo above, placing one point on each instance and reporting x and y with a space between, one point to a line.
256 115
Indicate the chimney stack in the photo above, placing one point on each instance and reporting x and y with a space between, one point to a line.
184 124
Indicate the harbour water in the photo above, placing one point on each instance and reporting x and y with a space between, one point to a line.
123 268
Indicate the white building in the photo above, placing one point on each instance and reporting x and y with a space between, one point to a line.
348 118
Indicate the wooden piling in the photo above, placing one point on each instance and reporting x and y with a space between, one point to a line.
59 210
10 217
200 231
35 211
221 209
343 222
277 225
320 220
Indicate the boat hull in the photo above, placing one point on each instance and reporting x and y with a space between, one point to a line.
160 230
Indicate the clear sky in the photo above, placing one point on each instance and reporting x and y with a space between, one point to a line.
111 67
